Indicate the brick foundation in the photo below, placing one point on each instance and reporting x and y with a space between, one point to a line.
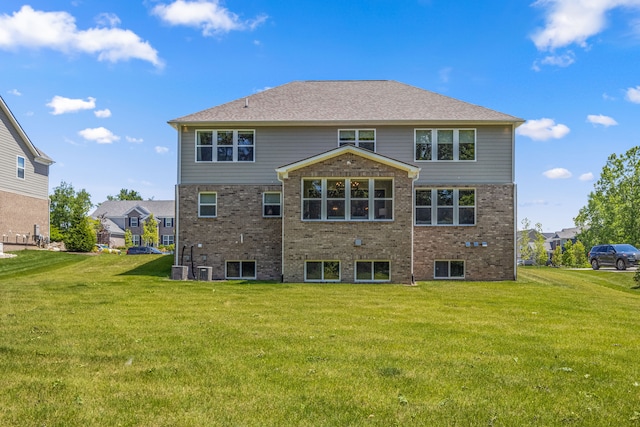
19 214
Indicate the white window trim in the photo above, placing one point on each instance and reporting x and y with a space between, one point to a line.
241 261
373 280
22 168
456 145
214 145
323 280
135 239
357 141
164 222
448 261
264 203
131 221
456 207
347 200
207 204
169 239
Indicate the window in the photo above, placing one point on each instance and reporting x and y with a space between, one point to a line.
271 204
230 145
207 205
20 167
240 270
372 271
355 199
167 239
135 239
133 221
445 144
363 138
168 222
445 206
322 271
449 270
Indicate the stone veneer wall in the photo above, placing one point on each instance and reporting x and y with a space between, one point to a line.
239 233
18 215
315 240
495 224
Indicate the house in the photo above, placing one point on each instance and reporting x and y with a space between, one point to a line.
347 181
559 238
117 216
24 185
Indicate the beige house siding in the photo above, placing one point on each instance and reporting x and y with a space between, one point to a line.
335 240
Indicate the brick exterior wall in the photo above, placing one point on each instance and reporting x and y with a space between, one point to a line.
334 240
18 215
495 224
239 233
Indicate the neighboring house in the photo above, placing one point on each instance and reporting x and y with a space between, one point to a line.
24 185
117 216
347 181
561 237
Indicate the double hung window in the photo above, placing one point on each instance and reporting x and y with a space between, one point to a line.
167 239
20 167
271 204
208 205
445 144
322 271
445 206
134 222
240 270
363 138
135 239
372 271
225 145
353 199
168 222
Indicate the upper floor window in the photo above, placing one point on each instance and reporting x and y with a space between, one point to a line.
228 145
339 199
271 204
445 144
133 221
168 222
207 205
20 167
445 206
363 138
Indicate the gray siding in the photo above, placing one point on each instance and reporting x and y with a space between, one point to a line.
279 146
36 176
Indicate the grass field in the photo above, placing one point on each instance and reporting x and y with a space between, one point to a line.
110 341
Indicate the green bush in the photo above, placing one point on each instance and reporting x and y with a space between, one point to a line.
56 234
81 237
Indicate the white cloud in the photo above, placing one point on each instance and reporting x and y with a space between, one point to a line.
557 173
161 150
633 94
574 21
542 130
133 140
445 74
586 177
599 119
536 202
15 92
207 15
103 113
99 135
62 105
58 31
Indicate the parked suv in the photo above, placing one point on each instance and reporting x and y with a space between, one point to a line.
619 256
139 250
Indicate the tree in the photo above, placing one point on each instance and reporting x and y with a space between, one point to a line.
68 208
81 237
126 195
128 238
526 252
568 257
150 231
556 257
610 215
539 251
580 254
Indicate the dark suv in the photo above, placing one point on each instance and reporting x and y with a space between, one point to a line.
619 256
139 250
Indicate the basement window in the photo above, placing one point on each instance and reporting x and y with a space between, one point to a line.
322 271
452 269
372 271
240 270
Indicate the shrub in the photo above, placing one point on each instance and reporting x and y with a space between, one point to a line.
81 237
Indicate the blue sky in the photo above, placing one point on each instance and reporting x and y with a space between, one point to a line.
93 82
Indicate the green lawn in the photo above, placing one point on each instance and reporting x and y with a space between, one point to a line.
110 341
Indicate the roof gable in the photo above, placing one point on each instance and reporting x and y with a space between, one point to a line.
346 101
121 208
412 171
38 155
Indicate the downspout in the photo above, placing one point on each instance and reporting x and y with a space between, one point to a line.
281 229
413 228
176 242
515 202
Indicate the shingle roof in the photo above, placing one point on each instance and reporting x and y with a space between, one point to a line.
118 208
346 100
